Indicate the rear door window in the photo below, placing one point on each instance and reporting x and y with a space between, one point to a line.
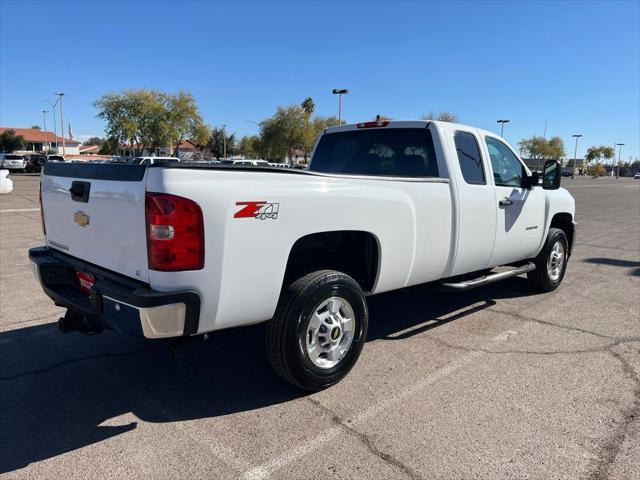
393 152
469 158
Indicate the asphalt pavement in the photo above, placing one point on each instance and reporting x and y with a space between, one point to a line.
497 382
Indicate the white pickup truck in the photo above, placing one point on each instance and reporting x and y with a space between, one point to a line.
172 250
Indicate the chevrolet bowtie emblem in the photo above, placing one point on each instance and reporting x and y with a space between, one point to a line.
81 218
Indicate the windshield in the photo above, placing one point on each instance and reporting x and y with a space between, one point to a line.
395 152
13 157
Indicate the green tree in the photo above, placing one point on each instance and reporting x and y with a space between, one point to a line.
541 149
598 155
284 133
97 141
10 142
308 106
147 119
247 146
110 146
218 142
183 119
291 128
442 117
36 127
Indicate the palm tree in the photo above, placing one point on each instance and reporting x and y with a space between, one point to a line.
308 106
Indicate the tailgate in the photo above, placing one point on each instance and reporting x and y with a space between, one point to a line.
96 212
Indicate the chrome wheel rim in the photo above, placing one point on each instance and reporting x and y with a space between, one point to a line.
555 262
330 332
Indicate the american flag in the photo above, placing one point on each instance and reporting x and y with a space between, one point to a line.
70 132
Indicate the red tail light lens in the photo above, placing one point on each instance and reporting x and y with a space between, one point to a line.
44 230
175 233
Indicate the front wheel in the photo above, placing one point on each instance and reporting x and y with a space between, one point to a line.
318 330
551 262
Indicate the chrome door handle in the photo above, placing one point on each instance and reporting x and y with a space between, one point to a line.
505 201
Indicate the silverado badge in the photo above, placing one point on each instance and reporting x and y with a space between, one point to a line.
81 218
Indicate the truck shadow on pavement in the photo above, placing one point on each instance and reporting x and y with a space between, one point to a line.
616 262
59 393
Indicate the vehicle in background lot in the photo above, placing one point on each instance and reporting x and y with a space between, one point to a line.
636 176
567 173
55 158
152 160
246 161
168 250
34 162
12 162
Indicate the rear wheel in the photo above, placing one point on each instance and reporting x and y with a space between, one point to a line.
551 262
318 331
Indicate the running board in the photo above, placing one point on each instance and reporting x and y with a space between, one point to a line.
487 279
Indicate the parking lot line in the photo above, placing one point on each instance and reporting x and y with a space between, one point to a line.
17 210
261 472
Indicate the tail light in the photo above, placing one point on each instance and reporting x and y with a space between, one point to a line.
44 229
175 233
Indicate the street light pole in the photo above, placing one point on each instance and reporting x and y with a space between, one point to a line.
340 92
619 152
55 128
502 122
575 153
44 126
224 141
61 97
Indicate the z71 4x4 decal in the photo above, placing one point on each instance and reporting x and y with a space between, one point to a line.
259 210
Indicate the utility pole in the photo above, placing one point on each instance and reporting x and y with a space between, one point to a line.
61 98
575 152
224 141
502 122
544 135
619 152
340 92
55 128
44 127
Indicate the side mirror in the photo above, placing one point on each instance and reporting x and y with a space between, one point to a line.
531 181
551 175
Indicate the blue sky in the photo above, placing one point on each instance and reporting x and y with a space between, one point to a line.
575 63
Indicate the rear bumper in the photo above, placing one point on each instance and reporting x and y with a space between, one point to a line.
116 302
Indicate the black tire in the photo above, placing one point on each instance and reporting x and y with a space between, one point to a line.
286 332
540 278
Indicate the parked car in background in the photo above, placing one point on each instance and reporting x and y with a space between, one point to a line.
636 176
55 158
34 162
152 160
246 161
13 162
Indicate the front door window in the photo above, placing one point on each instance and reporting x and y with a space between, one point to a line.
507 169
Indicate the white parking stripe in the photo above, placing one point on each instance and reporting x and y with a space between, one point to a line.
16 210
569 187
261 472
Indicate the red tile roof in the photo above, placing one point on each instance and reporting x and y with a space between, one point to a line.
187 145
35 135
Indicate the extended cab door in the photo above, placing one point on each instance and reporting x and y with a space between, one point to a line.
520 219
476 214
